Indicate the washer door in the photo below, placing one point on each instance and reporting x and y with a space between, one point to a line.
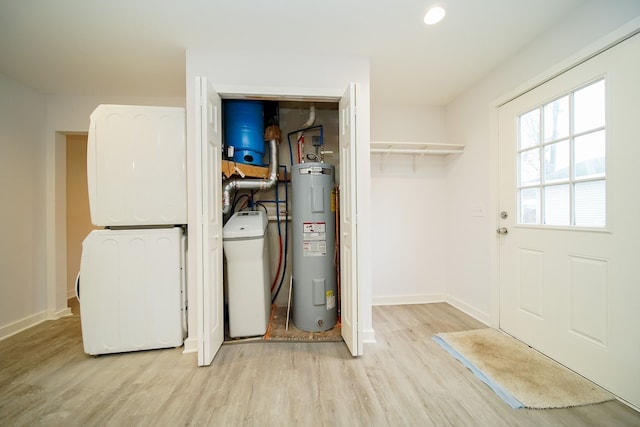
78 287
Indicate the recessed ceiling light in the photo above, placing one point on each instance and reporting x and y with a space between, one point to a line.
434 15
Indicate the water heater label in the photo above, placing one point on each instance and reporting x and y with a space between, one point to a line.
314 248
312 230
331 300
314 235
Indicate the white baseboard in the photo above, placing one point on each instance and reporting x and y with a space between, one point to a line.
190 345
480 316
369 336
408 299
13 328
55 315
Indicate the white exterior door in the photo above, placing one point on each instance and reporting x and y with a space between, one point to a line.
569 278
208 246
348 229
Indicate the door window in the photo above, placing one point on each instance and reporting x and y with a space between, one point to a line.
561 154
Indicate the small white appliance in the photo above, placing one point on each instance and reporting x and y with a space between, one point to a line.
132 273
249 292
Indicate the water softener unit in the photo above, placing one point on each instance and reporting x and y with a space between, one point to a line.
313 238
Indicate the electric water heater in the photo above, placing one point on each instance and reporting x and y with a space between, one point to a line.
314 247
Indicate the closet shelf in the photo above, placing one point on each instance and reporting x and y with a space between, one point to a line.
422 148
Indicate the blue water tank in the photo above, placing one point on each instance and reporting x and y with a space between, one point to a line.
244 127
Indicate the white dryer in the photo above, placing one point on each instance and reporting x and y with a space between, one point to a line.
136 166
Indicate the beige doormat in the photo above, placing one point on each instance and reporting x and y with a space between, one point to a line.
520 375
277 331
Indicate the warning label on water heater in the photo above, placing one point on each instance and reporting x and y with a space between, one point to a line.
331 300
314 235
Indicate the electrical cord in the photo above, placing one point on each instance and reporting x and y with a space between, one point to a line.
286 238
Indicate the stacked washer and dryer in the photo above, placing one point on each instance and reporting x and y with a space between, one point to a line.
131 285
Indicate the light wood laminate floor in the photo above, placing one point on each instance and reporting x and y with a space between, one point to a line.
405 379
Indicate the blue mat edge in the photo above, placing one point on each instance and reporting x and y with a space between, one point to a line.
504 395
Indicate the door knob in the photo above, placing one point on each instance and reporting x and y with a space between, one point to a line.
502 230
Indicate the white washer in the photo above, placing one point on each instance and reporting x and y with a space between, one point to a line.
132 290
248 273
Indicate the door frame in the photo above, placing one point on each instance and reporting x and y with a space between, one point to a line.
362 264
621 34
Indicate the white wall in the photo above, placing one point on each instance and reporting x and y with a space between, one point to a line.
22 220
472 177
298 76
409 208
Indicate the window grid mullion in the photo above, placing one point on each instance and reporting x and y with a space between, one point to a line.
541 183
572 140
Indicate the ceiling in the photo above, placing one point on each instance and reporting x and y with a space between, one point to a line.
137 47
